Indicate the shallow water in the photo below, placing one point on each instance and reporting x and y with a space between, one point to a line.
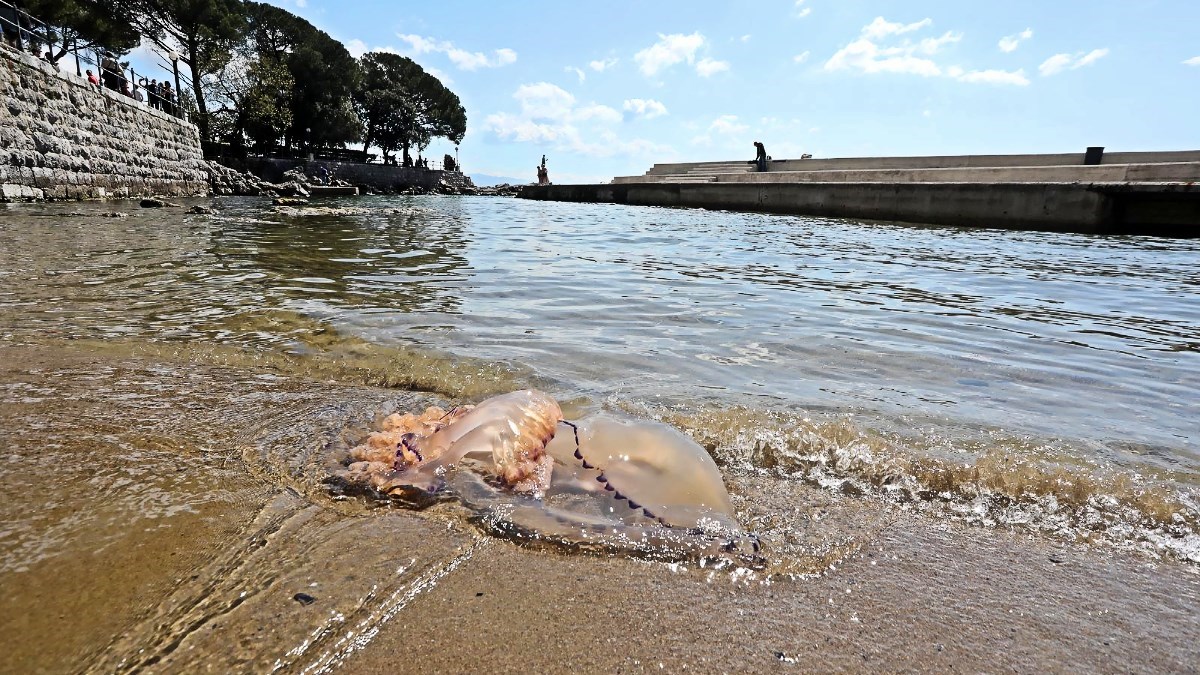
938 344
1036 381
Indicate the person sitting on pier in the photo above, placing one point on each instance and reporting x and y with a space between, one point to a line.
760 159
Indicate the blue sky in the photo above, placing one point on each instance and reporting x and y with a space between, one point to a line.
608 88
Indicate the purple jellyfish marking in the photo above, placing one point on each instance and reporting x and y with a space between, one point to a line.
608 487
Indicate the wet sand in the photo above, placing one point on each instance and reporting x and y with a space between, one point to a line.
166 513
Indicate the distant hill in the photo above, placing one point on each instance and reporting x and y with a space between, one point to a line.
483 180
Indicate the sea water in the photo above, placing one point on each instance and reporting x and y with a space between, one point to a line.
1042 379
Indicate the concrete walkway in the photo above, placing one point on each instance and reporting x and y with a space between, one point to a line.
1155 193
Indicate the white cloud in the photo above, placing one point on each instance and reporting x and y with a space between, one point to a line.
880 28
1055 64
578 72
745 38
864 55
801 10
801 57
356 48
1091 57
668 51
601 66
647 108
871 53
1194 61
550 116
596 111
1060 62
994 77
728 125
708 67
544 101
728 128
462 58
932 45
1011 42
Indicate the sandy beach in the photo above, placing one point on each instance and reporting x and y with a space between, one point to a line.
240 563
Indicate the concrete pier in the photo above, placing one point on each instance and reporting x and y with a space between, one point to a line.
1126 193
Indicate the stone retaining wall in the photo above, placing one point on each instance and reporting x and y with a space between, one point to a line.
62 138
382 177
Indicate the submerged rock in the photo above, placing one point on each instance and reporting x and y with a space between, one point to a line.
153 203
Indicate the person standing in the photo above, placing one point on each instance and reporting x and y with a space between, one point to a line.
168 98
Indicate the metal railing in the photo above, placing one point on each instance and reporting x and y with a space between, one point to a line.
26 33
301 153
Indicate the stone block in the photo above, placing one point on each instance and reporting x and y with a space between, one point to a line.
11 192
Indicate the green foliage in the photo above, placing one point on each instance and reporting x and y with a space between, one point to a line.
261 73
402 106
323 71
80 24
251 98
265 112
203 33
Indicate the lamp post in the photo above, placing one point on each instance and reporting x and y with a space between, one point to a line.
457 164
175 66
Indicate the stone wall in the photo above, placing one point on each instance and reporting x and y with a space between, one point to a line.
376 177
62 138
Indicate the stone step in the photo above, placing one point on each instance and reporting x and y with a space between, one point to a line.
685 179
1114 173
1179 172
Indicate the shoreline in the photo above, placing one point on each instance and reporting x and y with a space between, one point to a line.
392 589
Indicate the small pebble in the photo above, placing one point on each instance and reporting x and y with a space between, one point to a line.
304 598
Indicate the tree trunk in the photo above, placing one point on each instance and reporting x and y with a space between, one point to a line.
201 109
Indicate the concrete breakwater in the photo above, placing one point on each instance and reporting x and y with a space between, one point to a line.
1138 193
62 138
